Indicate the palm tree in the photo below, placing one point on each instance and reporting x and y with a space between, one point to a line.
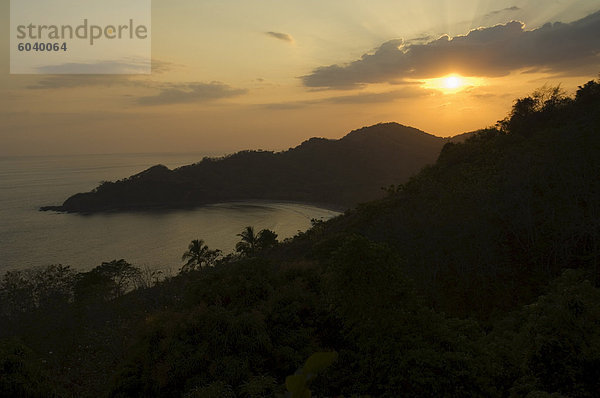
198 255
249 242
252 243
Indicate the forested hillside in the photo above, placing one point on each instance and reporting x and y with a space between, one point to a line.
502 212
339 173
479 277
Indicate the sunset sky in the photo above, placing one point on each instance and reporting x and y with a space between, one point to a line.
235 74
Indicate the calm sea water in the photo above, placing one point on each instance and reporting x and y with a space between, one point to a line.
30 238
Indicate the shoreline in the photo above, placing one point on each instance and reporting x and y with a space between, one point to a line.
168 208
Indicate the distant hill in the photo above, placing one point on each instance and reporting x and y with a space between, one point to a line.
338 173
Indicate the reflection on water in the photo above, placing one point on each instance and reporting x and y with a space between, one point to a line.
32 238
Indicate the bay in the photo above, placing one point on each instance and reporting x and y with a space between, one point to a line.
30 238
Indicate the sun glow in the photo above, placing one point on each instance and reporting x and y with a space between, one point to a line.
452 83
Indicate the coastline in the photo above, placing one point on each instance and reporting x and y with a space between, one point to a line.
168 208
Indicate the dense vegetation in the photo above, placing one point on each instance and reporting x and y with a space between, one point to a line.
339 173
477 278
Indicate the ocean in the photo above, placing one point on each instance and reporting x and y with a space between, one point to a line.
30 238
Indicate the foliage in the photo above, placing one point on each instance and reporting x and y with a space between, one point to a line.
108 280
259 386
392 342
19 376
23 291
553 345
213 390
199 255
528 112
252 243
298 383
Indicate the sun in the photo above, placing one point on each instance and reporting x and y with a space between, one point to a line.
452 84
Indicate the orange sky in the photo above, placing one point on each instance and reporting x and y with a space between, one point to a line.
235 74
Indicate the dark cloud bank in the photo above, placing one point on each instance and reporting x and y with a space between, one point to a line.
490 52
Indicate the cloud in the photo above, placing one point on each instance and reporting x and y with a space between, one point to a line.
507 9
191 92
484 93
420 39
385 97
280 36
58 81
409 91
124 67
160 66
491 51
168 93
74 81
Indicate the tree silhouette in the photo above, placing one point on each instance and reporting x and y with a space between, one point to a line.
252 242
198 255
266 239
123 274
589 92
249 242
107 281
527 112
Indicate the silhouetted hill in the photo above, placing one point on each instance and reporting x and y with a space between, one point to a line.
479 277
339 173
501 213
